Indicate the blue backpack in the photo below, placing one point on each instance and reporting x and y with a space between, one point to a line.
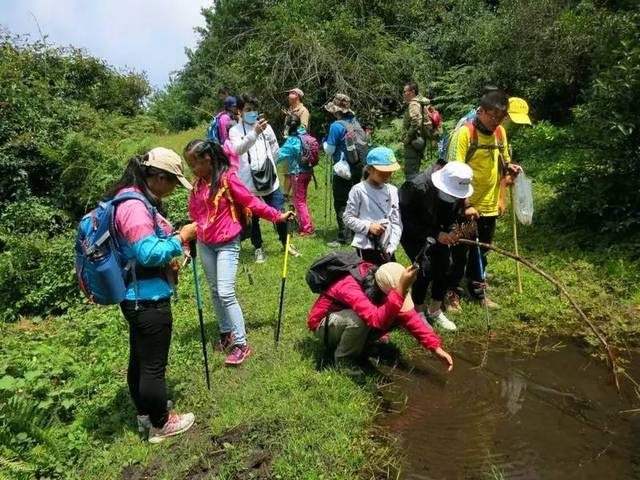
100 264
213 132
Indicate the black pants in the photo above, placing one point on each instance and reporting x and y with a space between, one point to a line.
465 259
374 256
149 340
276 200
437 274
341 188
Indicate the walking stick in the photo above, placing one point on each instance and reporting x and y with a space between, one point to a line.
515 229
515 239
484 285
284 280
326 193
485 356
196 282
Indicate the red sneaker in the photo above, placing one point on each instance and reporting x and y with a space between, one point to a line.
238 355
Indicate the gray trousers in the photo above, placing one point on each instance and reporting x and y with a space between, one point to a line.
347 334
412 161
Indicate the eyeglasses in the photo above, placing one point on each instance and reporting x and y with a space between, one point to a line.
497 115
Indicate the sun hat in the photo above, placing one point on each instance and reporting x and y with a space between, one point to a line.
340 103
383 159
519 111
297 91
454 179
169 161
387 277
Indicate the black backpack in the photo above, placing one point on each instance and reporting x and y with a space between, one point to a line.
330 268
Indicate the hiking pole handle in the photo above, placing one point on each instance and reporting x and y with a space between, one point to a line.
193 248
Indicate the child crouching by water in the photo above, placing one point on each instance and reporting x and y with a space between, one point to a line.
373 211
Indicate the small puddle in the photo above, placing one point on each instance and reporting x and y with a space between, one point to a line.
549 415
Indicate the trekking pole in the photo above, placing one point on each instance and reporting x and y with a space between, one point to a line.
330 197
484 285
515 238
326 194
284 280
196 282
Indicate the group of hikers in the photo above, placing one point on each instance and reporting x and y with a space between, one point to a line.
364 297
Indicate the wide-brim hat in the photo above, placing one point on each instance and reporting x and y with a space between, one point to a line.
454 179
169 161
519 111
340 103
387 278
383 159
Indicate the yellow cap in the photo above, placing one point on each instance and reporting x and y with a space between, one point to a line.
519 111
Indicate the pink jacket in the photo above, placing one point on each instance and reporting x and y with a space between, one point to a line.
218 216
349 293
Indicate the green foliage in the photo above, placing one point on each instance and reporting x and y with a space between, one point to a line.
64 126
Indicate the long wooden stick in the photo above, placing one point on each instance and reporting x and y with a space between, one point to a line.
562 288
515 239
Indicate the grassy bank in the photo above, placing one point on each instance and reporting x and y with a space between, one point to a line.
64 378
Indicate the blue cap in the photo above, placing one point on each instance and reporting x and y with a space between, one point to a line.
383 159
230 102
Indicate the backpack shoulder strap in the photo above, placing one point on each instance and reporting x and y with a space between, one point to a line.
499 137
473 140
118 199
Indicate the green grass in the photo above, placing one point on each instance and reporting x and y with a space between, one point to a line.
277 414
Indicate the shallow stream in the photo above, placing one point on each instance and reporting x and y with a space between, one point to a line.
545 412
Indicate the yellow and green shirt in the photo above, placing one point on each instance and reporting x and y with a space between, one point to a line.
485 165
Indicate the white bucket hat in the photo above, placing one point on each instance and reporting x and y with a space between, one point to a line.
454 179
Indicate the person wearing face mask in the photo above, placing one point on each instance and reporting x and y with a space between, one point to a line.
431 203
254 141
481 142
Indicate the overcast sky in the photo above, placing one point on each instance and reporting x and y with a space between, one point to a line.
149 35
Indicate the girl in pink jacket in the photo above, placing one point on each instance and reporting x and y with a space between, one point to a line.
218 204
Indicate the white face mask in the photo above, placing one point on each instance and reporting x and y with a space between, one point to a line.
445 197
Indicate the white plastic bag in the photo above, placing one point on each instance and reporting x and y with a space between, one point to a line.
523 199
342 169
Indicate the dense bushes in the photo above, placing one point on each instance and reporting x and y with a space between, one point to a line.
65 119
573 60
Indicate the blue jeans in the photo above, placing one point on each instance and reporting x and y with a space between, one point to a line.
276 200
220 264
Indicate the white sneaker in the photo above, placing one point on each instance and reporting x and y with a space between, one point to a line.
293 252
144 421
440 320
335 244
259 254
176 424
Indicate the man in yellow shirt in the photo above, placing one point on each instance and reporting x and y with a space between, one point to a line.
482 143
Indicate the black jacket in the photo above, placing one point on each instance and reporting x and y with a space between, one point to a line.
423 213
